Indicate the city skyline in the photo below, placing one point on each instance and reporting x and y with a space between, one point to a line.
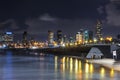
37 17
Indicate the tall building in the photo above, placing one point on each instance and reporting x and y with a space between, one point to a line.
65 39
59 37
71 40
50 37
25 37
99 30
79 37
88 36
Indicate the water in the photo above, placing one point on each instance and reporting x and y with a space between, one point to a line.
52 68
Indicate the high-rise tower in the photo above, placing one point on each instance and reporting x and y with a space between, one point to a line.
98 30
59 36
50 37
24 38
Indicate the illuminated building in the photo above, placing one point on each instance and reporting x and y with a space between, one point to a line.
8 37
71 40
88 36
65 39
50 37
24 38
98 30
79 37
59 37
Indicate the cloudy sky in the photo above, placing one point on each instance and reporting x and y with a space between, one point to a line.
39 16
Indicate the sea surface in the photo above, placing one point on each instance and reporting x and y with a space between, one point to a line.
51 67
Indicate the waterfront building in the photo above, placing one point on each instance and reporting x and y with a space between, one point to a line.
88 36
24 41
79 38
59 37
50 37
99 30
7 37
65 39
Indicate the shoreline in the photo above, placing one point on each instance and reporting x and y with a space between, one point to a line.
109 63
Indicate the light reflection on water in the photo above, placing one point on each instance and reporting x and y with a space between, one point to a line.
52 68
85 70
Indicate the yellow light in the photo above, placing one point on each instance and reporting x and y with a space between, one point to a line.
90 41
91 68
86 67
112 73
95 40
86 71
76 65
86 41
102 72
75 43
86 61
109 38
55 44
66 44
63 61
71 44
80 65
71 65
67 61
101 39
56 62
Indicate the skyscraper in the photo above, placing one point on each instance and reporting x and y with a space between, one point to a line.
65 39
88 36
50 37
98 30
79 37
24 38
59 36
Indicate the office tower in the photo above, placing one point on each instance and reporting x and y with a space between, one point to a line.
50 37
98 30
24 41
65 39
88 36
79 37
59 37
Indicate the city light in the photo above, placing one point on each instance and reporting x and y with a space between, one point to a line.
95 40
102 71
111 73
109 38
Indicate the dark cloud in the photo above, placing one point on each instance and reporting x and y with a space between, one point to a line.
44 23
113 14
100 9
9 24
47 17
37 17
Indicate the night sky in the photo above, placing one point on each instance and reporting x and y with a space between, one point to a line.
38 16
